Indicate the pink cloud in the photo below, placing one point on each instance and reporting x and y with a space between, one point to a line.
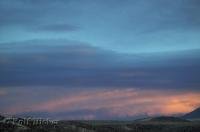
125 102
120 102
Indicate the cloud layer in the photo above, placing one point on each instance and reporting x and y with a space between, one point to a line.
130 26
99 59
109 104
76 64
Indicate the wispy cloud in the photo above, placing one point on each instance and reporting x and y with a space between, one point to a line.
126 102
56 28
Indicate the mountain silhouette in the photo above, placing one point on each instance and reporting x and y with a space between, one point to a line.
162 119
168 119
195 114
1 117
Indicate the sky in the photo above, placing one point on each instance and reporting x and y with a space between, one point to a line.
99 59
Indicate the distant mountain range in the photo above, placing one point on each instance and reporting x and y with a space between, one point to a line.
167 119
187 123
1 117
194 115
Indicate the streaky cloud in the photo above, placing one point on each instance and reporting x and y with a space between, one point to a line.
112 103
56 28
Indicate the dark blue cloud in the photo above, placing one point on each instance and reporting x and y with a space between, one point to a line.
38 15
97 44
124 26
159 14
75 65
56 28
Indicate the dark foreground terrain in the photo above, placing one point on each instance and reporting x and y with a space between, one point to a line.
160 124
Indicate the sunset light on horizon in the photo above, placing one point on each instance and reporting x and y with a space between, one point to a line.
99 59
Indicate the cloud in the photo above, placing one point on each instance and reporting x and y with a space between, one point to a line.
131 26
113 103
57 28
35 16
3 92
16 13
77 64
134 27
159 14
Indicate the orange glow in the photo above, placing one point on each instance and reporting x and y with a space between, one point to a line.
122 102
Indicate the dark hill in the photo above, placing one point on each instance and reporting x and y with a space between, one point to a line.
167 119
192 115
1 117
